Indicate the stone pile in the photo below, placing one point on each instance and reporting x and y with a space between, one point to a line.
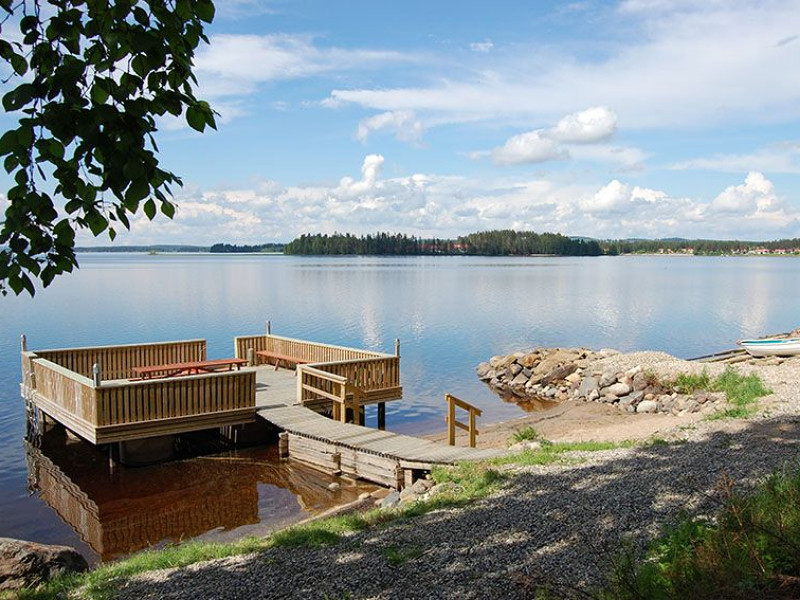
422 489
562 374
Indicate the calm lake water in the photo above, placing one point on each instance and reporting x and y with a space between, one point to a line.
450 313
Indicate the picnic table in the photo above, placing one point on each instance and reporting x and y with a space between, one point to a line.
188 368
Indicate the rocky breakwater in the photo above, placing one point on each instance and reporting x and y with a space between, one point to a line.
561 374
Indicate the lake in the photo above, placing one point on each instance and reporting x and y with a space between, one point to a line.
450 313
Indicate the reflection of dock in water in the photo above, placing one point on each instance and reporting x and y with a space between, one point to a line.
129 509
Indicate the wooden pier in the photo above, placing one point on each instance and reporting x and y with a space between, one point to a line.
99 394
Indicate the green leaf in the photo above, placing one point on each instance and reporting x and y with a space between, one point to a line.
150 209
98 94
205 10
168 208
8 143
196 118
96 221
138 190
19 64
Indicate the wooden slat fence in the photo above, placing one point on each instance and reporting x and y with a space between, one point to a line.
117 362
373 376
140 401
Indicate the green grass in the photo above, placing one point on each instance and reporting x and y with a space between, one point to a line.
398 556
526 434
741 391
553 452
751 550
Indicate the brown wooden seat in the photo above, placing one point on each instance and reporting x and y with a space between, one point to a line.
269 357
188 368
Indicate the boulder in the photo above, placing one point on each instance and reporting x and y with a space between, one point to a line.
588 385
391 500
484 370
647 406
27 564
559 373
640 382
618 389
519 380
606 379
514 368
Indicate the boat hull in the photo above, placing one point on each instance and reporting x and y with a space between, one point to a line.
772 347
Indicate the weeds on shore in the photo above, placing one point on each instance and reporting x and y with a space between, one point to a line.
554 452
741 391
526 434
751 550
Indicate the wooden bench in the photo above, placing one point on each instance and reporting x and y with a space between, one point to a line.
188 368
278 358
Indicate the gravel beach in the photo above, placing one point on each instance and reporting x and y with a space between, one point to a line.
555 525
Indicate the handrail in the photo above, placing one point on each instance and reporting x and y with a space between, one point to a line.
474 411
342 393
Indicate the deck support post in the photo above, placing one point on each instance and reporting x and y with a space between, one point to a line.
97 375
251 357
283 445
381 415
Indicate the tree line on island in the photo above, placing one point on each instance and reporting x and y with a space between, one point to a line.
505 242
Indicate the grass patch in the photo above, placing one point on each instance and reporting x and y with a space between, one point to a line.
398 556
741 391
751 550
526 434
553 452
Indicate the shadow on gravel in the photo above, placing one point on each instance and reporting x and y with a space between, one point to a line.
561 526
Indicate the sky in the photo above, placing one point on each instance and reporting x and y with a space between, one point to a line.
635 118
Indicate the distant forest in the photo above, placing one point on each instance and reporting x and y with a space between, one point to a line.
234 248
487 243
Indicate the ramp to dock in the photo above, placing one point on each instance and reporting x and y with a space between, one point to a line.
384 457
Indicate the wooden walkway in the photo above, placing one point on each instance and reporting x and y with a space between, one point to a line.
383 457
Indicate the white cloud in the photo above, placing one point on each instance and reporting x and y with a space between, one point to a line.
755 196
530 147
676 68
783 157
588 126
403 123
483 47
624 158
444 206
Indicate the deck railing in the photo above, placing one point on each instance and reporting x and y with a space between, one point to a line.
117 362
470 427
374 376
104 410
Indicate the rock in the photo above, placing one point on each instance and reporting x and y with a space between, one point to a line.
420 487
441 488
647 406
483 370
588 385
364 496
551 393
27 564
559 373
523 446
626 401
520 379
618 389
408 492
573 377
609 398
636 397
639 381
607 378
514 369
593 395
496 361
334 487
527 372
391 500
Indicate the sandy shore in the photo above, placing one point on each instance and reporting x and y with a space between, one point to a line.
581 421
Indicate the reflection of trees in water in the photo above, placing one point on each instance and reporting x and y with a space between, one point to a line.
126 509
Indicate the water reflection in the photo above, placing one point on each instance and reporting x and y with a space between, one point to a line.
116 511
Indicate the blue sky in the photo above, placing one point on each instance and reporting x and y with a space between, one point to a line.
638 118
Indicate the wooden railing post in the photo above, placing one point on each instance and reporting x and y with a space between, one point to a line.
269 327
397 347
97 376
251 357
451 420
470 427
23 342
